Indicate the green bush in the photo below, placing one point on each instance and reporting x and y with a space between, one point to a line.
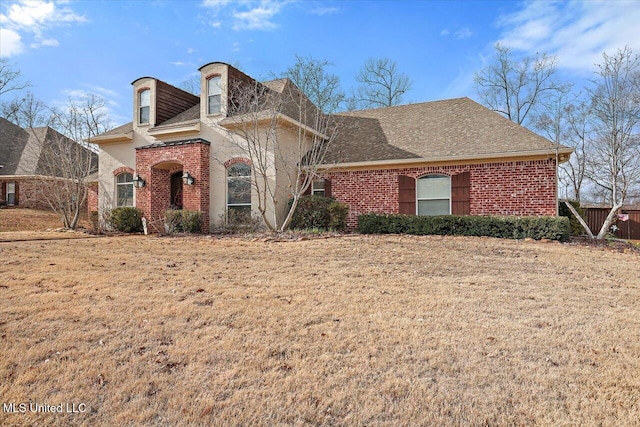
127 220
182 221
318 212
510 227
576 227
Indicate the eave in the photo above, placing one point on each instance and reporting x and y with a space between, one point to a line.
177 129
237 121
114 138
563 156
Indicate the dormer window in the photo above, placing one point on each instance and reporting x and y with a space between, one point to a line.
144 103
214 92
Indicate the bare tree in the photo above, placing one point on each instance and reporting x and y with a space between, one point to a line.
320 86
515 88
286 137
64 157
10 78
614 164
27 111
381 85
191 85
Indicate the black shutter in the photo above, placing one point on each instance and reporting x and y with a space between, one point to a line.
460 194
327 188
406 195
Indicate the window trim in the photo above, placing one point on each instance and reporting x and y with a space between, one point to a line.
318 191
122 184
140 106
7 192
214 78
418 199
249 177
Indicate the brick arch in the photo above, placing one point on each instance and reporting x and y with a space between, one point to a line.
212 75
441 173
123 169
237 160
142 89
168 160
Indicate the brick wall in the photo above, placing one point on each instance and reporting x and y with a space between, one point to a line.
154 198
508 188
92 197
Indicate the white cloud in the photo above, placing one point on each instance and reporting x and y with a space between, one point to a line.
32 18
178 63
325 11
576 32
463 33
10 43
257 18
235 47
190 50
444 32
249 14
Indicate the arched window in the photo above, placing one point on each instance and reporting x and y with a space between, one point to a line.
124 190
144 105
434 195
214 92
239 192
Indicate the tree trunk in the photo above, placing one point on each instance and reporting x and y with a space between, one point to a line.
579 218
608 222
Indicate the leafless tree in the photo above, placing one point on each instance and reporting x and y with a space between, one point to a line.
285 136
191 85
380 85
614 164
10 78
64 156
317 83
515 88
27 111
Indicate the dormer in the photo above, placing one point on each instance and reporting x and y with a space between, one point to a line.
155 102
216 80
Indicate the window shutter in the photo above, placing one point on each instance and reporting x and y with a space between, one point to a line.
460 195
308 190
406 195
3 191
17 193
327 188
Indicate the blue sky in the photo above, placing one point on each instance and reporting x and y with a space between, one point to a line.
67 48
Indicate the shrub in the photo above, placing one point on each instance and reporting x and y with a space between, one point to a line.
540 227
94 218
318 212
237 223
576 227
127 220
182 221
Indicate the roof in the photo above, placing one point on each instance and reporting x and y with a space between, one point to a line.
432 131
20 149
13 140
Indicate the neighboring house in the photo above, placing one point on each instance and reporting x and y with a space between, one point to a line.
444 157
22 167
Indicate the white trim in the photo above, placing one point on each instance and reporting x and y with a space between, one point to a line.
472 158
434 198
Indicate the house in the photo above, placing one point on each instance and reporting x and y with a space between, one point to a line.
444 157
23 167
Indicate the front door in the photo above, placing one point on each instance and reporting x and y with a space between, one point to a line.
176 190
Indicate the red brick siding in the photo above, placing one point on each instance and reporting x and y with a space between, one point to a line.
509 188
154 198
92 197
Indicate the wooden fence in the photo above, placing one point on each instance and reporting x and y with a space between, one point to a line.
626 229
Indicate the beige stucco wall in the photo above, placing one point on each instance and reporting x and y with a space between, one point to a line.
116 155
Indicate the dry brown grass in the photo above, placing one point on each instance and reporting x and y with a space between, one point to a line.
360 330
20 219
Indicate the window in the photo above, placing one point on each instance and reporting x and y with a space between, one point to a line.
434 195
214 94
11 193
144 102
124 190
317 187
239 192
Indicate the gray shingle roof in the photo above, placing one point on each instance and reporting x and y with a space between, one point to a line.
453 128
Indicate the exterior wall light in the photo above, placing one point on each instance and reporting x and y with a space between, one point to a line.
188 179
138 181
